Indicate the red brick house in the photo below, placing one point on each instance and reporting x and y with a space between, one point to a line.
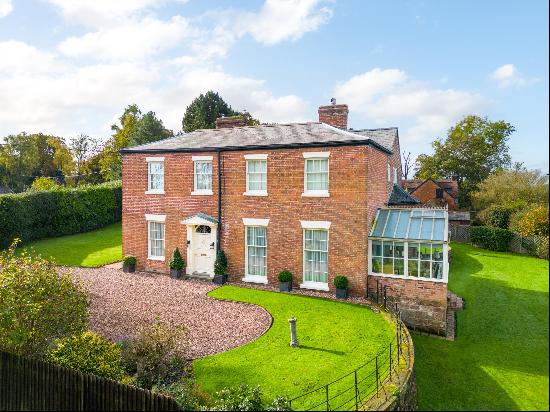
300 197
434 192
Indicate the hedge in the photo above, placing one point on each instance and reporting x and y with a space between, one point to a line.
492 238
36 215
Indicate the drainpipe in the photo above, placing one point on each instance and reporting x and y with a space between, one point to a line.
219 202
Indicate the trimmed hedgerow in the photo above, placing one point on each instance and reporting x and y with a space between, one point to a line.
37 215
491 238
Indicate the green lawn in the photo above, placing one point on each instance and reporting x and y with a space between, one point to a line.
499 360
90 249
334 337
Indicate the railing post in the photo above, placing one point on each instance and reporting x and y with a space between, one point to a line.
390 362
385 298
326 393
397 341
377 376
356 392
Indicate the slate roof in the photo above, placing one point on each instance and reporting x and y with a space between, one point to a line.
384 137
204 216
400 196
267 136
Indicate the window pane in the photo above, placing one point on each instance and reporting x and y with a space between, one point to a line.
377 264
316 174
437 268
156 239
399 267
437 252
376 248
399 249
388 266
315 256
413 267
414 250
425 251
425 269
388 249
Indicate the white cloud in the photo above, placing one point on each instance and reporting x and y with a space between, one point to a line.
24 58
390 96
280 20
102 12
6 7
508 75
134 39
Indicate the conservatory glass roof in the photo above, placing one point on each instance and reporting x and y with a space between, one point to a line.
412 223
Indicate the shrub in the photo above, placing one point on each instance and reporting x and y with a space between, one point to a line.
37 304
88 353
497 216
159 351
239 398
186 393
285 276
532 222
341 282
41 184
491 238
128 361
220 266
280 403
35 215
129 260
177 262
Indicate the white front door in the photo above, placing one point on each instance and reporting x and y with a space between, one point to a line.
203 247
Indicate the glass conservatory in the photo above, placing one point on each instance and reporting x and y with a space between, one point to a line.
410 243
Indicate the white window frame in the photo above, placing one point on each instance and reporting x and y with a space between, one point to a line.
251 222
316 156
389 173
255 157
150 191
202 192
445 261
155 219
314 225
395 175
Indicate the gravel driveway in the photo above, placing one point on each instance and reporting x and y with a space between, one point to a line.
121 302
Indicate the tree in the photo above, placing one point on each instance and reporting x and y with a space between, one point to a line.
44 184
26 156
407 165
82 148
205 109
38 304
473 149
517 188
134 129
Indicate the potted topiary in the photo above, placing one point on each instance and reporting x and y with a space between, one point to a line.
177 264
341 284
285 281
220 269
129 264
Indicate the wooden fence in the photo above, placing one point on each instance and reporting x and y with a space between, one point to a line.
27 384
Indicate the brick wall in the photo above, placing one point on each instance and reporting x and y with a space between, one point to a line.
357 187
426 193
423 304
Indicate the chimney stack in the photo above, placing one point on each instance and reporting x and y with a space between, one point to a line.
334 114
229 122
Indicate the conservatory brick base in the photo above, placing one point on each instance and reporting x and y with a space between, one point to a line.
423 304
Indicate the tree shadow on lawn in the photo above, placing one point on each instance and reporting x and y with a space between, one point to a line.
500 357
334 352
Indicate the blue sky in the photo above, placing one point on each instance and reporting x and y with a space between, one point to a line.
71 66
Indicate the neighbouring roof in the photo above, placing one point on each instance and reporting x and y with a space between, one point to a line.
456 215
385 137
449 185
400 196
411 224
265 136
